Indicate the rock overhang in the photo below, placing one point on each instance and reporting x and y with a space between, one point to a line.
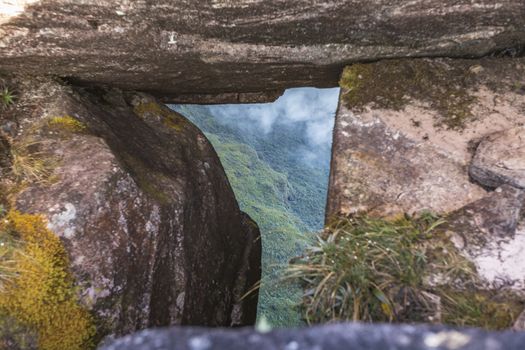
192 51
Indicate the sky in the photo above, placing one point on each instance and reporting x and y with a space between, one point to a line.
314 107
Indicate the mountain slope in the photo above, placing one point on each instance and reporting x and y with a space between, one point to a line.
284 194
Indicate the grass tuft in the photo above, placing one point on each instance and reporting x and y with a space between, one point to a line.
371 269
30 164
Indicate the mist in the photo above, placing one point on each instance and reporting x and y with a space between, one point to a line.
310 110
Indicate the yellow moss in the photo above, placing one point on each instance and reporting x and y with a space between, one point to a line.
43 296
392 83
67 123
169 118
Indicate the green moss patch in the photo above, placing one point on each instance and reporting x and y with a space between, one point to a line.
393 83
399 270
485 309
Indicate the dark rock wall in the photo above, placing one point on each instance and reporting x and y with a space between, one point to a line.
144 208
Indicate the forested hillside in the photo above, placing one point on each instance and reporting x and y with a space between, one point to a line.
280 183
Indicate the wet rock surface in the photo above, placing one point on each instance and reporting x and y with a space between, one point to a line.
500 159
331 337
143 207
191 48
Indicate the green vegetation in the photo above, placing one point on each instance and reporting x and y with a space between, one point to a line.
492 310
400 270
260 191
7 97
390 84
40 294
285 196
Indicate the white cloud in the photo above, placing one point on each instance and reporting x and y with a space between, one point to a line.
309 110
314 107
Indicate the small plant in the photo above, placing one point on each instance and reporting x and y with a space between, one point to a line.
7 97
30 164
370 269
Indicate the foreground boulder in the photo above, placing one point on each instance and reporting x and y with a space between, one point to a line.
333 337
141 203
184 50
442 136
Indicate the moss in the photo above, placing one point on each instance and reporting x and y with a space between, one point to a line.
391 84
169 118
400 270
486 309
66 123
150 181
42 296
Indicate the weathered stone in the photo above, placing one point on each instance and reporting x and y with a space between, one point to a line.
172 48
404 132
519 325
14 336
354 336
5 158
491 233
143 206
500 159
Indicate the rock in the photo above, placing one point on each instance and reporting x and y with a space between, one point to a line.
354 336
184 48
490 232
519 325
143 206
14 336
5 159
500 159
404 132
